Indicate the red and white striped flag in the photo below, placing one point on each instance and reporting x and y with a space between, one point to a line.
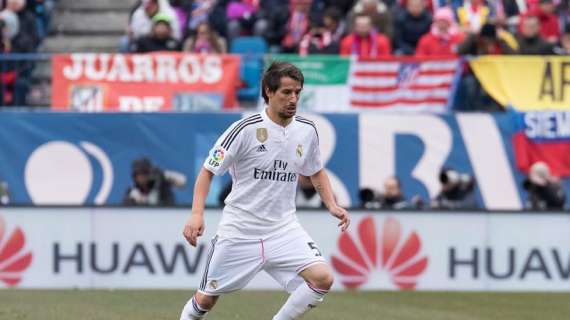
403 83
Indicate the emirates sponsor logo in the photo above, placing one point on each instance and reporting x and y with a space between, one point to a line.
14 260
387 256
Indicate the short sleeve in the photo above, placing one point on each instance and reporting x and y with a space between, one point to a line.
225 151
312 163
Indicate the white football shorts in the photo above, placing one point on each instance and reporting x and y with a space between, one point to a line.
232 263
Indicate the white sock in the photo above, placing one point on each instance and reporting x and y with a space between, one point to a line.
193 311
303 299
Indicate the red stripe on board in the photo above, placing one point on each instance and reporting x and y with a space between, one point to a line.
419 87
411 102
393 74
410 59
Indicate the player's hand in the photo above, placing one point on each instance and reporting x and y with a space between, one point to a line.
194 228
342 215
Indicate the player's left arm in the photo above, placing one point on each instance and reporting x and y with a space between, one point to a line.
322 184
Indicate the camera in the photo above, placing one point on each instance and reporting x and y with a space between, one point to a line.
457 190
455 182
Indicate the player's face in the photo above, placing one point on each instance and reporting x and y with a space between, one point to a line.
284 100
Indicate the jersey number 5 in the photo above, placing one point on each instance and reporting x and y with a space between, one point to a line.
313 246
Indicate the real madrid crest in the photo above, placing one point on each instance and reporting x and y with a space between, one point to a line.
299 150
261 134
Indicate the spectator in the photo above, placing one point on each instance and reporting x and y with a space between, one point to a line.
200 12
378 12
151 185
564 14
392 198
487 41
549 21
297 25
457 191
26 39
9 28
42 10
272 22
318 40
530 41
142 22
241 18
182 9
470 91
206 40
334 23
160 39
410 24
307 196
364 41
564 48
545 192
508 13
472 15
344 6
443 38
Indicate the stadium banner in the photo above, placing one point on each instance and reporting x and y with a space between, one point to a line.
85 158
543 136
144 82
412 84
144 248
526 83
326 76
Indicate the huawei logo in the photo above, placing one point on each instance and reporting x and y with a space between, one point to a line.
13 261
387 256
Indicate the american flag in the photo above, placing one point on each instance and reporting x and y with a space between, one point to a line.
403 83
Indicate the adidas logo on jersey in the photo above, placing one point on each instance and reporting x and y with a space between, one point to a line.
261 148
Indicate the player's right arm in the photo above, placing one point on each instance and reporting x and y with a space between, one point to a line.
221 157
195 225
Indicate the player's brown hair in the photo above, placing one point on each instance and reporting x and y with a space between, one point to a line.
277 70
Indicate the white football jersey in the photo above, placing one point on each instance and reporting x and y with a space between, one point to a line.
264 160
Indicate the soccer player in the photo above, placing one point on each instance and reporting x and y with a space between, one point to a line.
265 153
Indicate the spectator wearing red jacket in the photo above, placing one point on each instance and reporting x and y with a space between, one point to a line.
545 11
365 41
549 22
443 38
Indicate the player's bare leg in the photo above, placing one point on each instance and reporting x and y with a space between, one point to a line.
318 281
198 306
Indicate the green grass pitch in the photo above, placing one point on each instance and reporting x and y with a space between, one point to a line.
254 305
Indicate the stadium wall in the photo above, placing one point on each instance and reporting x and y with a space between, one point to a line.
144 248
85 159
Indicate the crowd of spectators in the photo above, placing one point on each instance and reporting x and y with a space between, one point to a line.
23 25
365 28
361 27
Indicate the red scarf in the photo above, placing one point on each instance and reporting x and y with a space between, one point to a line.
373 41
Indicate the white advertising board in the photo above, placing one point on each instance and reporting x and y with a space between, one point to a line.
144 248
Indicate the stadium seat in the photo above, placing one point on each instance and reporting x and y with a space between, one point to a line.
251 50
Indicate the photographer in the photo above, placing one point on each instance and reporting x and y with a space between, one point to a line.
545 192
457 191
152 186
392 198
